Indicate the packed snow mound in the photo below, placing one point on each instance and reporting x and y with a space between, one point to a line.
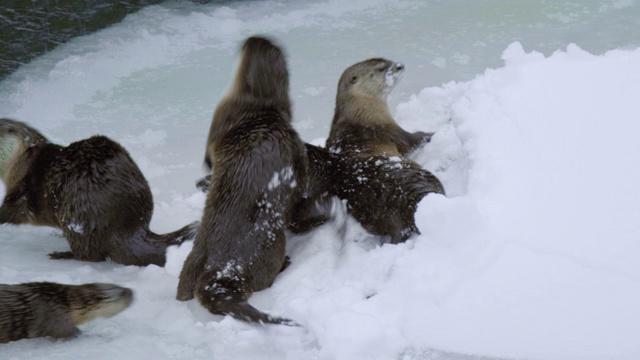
546 190
533 254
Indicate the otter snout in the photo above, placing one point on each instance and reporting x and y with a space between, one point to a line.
392 76
397 67
116 293
90 301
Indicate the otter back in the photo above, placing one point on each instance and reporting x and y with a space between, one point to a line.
259 174
92 190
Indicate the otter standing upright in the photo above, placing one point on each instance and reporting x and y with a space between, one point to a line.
381 186
91 190
362 123
259 173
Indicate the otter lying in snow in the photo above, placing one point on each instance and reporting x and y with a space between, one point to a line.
40 309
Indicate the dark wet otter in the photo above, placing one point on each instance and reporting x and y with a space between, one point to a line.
91 190
259 174
48 309
313 209
368 148
381 192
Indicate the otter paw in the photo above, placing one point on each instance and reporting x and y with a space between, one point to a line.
204 184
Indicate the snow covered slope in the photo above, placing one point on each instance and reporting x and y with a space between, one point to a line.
533 255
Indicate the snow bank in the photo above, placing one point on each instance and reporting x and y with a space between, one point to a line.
547 264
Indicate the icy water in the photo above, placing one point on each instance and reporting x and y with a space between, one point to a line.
152 82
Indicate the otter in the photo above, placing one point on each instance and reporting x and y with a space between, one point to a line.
381 192
42 309
92 190
382 187
362 123
259 174
314 207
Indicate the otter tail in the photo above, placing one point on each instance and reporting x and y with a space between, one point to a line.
224 292
177 237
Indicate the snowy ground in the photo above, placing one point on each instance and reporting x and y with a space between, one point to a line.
533 255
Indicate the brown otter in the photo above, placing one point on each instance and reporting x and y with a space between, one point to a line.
382 193
381 186
91 190
362 123
259 174
48 309
313 209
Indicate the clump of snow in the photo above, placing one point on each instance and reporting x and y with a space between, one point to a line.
76 227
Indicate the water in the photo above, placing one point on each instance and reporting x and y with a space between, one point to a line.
30 28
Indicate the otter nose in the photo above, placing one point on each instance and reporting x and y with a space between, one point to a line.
398 67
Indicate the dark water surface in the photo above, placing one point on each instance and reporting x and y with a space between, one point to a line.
29 28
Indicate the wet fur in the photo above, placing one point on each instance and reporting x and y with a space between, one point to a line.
44 309
91 190
368 148
259 174
314 207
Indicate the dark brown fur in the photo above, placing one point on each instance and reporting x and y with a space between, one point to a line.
33 310
259 173
381 192
91 190
314 207
368 148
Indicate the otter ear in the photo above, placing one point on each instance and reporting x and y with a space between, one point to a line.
353 79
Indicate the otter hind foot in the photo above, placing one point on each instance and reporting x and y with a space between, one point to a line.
61 255
226 292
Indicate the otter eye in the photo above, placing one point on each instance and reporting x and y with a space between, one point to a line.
354 78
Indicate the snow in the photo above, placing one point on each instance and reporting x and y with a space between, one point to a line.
532 255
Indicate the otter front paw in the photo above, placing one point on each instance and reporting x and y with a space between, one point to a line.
204 184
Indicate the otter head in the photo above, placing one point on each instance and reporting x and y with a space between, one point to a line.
15 137
261 73
372 78
90 301
9 147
